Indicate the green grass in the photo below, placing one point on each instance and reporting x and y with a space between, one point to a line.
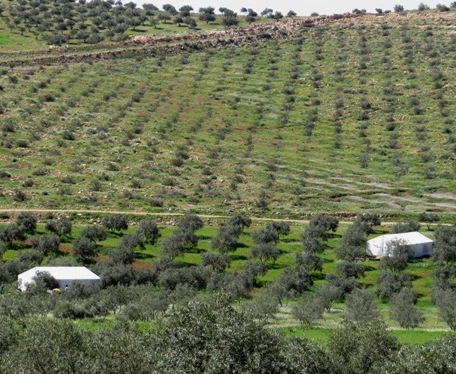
232 131
321 335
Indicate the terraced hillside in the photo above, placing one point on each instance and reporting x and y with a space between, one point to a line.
329 115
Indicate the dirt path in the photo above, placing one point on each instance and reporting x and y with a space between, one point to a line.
174 214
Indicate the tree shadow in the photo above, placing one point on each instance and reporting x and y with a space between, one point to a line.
275 266
414 277
238 258
88 261
116 234
195 250
288 240
143 256
318 276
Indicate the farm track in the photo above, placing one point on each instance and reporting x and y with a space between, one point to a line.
175 214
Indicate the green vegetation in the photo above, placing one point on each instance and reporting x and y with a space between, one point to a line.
137 138
331 119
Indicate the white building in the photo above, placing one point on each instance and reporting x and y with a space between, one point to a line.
420 244
64 275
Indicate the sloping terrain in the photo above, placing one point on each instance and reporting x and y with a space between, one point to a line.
329 115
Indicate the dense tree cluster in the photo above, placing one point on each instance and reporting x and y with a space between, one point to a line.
205 335
99 20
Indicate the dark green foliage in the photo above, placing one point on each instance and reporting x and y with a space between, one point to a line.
327 294
8 334
2 248
237 285
265 305
190 222
177 244
349 269
428 218
367 221
349 253
114 273
226 239
207 14
320 224
125 252
353 244
292 283
60 227
356 348
115 222
25 260
229 18
148 230
407 226
47 346
265 251
308 309
195 277
200 337
343 284
443 276
402 309
94 233
11 232
446 305
252 269
360 307
240 220
396 257
444 245
271 233
84 248
26 222
217 262
308 261
46 243
313 236
42 282
436 356
389 283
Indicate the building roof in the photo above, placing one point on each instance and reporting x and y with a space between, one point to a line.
410 238
63 272
380 246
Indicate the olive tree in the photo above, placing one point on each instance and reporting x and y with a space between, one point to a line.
403 311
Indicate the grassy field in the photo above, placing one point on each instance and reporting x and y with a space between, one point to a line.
334 119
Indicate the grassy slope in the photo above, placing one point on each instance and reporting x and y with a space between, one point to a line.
240 116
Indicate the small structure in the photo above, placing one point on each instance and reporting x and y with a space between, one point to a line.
421 246
64 275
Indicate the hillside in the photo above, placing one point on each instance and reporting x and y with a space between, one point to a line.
323 115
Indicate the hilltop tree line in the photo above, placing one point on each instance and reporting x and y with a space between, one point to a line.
96 21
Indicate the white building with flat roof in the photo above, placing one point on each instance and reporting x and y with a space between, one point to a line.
64 275
421 245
